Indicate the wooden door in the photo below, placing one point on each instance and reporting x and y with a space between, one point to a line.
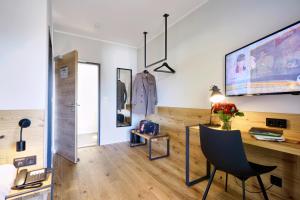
65 123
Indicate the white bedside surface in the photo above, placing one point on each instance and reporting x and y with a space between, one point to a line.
8 175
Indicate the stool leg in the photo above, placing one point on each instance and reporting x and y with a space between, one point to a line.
209 183
150 149
226 182
262 187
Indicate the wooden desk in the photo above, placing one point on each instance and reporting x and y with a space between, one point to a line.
151 138
291 146
44 191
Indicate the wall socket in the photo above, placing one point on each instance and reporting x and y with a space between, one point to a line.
276 181
278 123
25 161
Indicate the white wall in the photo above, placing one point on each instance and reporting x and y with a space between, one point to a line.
23 54
88 92
198 44
110 56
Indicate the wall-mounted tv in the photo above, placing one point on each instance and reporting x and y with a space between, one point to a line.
270 65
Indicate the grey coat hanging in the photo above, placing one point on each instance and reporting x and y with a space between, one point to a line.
121 95
144 94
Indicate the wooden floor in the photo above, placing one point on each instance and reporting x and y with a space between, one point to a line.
117 172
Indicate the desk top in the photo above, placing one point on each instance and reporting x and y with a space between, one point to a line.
285 147
18 193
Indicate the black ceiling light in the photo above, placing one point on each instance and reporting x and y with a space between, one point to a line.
21 145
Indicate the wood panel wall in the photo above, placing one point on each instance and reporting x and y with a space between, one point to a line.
34 135
173 121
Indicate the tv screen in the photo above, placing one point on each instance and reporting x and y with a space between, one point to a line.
270 65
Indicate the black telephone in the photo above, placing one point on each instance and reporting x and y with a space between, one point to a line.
31 179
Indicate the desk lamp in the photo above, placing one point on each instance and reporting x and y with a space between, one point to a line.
21 145
215 97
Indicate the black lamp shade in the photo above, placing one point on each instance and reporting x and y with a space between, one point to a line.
216 95
24 123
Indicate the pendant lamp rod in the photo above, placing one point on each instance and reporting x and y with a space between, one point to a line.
166 35
145 50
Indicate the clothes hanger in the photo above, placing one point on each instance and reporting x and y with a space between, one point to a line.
165 64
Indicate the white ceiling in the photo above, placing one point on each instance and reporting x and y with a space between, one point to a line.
121 21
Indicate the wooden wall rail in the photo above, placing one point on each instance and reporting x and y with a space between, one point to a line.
173 121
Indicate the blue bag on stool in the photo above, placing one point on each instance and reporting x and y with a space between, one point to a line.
149 127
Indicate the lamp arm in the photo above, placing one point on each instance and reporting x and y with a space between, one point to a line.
21 133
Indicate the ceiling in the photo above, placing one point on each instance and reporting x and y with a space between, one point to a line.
120 21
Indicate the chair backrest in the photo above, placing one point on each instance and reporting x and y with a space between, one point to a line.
225 150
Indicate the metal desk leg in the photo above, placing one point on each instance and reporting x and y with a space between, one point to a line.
187 162
168 146
158 157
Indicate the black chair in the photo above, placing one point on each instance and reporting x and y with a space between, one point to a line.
225 151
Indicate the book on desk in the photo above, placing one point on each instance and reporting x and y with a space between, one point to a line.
267 134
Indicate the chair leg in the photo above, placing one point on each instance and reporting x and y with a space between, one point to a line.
244 190
262 187
209 183
226 182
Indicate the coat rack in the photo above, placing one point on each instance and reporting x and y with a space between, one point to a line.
165 64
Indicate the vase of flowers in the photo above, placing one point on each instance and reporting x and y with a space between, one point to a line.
226 111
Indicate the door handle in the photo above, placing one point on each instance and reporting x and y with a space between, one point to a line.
73 105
